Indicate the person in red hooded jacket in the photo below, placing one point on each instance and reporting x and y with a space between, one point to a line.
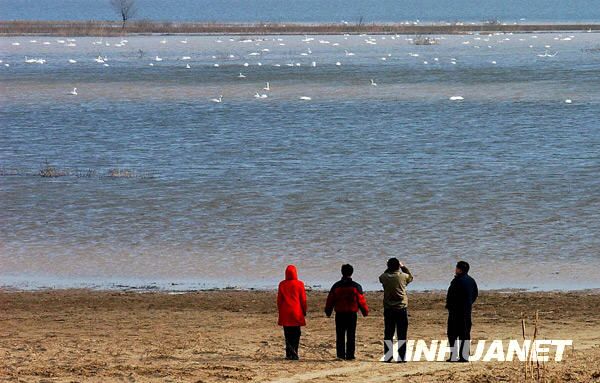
291 304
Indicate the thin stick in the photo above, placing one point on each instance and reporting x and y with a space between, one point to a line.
527 358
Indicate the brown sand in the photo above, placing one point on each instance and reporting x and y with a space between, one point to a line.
216 336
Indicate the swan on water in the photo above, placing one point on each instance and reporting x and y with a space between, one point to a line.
217 100
73 92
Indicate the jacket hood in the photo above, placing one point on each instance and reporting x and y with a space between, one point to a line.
291 273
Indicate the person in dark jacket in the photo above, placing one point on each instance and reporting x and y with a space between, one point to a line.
395 280
291 305
462 293
346 298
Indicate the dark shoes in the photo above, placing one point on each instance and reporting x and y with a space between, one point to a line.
462 360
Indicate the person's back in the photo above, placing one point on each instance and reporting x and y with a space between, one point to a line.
462 293
395 304
346 298
394 284
291 304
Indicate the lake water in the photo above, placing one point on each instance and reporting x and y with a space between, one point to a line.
311 10
227 194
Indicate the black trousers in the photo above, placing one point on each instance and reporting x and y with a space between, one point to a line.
459 328
345 334
396 321
292 341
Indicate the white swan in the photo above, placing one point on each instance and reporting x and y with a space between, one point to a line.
305 98
73 92
187 66
568 101
348 53
217 100
456 98
71 61
241 75
267 87
158 59
308 52
373 83
258 95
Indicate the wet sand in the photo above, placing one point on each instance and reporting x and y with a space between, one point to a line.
216 336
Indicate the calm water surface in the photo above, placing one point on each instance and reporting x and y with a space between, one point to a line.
229 193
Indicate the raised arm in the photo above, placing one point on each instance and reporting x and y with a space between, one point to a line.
405 270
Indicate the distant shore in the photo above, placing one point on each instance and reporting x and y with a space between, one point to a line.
112 28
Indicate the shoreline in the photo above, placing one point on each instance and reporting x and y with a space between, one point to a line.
141 28
235 289
191 285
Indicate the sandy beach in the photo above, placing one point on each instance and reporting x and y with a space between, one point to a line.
216 336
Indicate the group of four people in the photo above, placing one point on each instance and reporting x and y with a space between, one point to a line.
346 298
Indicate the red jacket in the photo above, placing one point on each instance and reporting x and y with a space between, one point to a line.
291 299
346 296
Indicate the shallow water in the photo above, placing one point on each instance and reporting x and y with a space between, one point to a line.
232 192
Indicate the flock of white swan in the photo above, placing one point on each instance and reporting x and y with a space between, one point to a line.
476 41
